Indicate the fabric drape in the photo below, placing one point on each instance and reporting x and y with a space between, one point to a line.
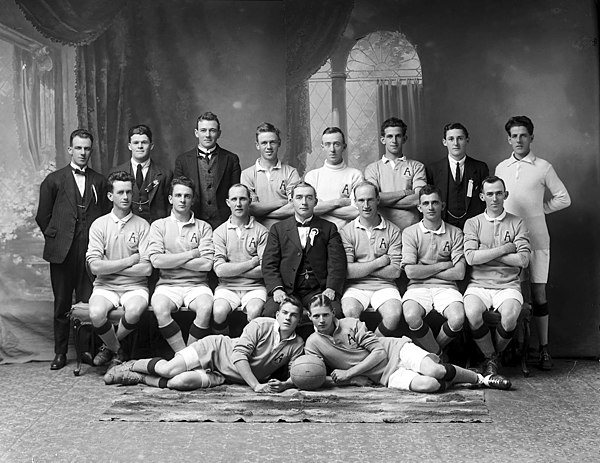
27 92
71 22
313 29
403 99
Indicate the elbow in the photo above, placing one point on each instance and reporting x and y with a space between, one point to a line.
409 272
396 272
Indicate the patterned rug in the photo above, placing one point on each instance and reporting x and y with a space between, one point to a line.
228 403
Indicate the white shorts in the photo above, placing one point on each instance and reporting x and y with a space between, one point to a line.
190 357
182 295
376 298
539 265
240 297
117 298
409 367
433 298
494 298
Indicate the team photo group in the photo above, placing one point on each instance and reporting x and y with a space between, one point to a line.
401 238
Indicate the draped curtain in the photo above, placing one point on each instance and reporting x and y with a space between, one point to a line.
403 99
27 92
313 29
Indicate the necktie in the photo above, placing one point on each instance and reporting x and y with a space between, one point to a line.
78 171
300 224
458 179
139 177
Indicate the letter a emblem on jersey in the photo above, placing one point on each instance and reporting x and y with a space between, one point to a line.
406 172
346 190
446 246
282 187
278 359
382 244
132 238
252 243
194 238
507 236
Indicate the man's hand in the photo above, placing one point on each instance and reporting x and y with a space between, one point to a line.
255 261
278 386
279 296
340 376
509 248
134 259
384 260
330 293
195 253
262 388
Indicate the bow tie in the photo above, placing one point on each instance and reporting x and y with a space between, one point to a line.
78 171
300 224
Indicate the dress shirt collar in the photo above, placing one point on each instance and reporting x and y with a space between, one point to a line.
76 167
144 164
204 152
305 221
453 162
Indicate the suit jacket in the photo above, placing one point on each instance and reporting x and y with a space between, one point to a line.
228 173
57 209
438 174
158 193
283 254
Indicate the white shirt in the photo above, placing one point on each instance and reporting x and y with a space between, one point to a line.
461 165
79 179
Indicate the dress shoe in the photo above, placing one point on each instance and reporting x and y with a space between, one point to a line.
60 360
104 356
87 358
490 366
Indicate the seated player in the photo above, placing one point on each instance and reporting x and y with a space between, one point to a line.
304 255
239 246
117 255
432 257
181 247
266 344
497 248
269 179
349 350
373 248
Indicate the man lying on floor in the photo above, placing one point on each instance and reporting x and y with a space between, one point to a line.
349 350
266 344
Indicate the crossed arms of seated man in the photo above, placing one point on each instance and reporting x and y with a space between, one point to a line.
189 260
443 270
277 209
380 267
506 254
401 199
128 266
340 208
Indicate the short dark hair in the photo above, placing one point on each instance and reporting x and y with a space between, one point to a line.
293 300
320 300
81 133
208 116
492 179
182 181
267 127
366 183
455 126
393 122
119 176
330 130
429 190
240 185
140 129
302 184
519 121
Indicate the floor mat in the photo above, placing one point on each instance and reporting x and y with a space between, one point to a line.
339 405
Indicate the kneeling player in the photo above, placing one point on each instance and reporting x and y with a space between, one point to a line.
265 345
350 350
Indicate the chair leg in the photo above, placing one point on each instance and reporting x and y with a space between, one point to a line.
76 335
525 347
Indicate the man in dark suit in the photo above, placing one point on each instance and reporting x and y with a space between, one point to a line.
459 177
70 200
212 169
152 181
304 255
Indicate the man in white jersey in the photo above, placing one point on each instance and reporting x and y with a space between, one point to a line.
181 247
239 246
399 179
269 179
117 255
266 345
374 252
496 245
334 181
535 191
433 259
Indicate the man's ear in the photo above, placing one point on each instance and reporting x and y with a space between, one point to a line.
506 194
482 197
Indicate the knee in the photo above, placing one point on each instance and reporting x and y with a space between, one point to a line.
221 309
456 318
134 313
425 384
254 310
351 309
98 315
182 383
391 314
162 314
413 315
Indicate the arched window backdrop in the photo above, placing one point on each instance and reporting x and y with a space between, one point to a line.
381 78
